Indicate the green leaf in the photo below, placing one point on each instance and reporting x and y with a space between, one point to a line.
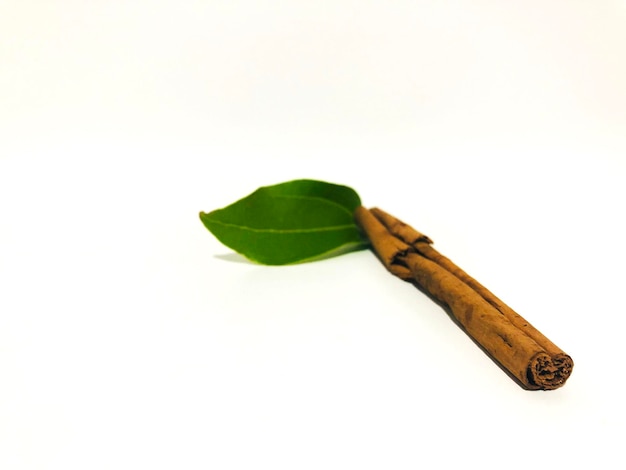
292 222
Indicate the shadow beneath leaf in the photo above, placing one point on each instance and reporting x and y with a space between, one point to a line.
234 258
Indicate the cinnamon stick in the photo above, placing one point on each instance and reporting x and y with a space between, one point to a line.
530 357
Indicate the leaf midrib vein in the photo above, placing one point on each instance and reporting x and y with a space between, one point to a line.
274 230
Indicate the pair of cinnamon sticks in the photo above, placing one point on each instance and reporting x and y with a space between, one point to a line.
531 358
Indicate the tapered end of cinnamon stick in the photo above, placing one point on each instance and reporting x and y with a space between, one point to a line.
398 228
387 247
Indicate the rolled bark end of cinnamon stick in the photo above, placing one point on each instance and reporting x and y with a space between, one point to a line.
549 372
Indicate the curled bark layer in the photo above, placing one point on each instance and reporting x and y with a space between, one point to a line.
530 357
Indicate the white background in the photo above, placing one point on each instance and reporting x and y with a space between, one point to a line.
130 338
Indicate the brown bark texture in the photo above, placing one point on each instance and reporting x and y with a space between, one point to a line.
534 361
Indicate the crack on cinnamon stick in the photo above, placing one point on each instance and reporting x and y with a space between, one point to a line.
506 341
